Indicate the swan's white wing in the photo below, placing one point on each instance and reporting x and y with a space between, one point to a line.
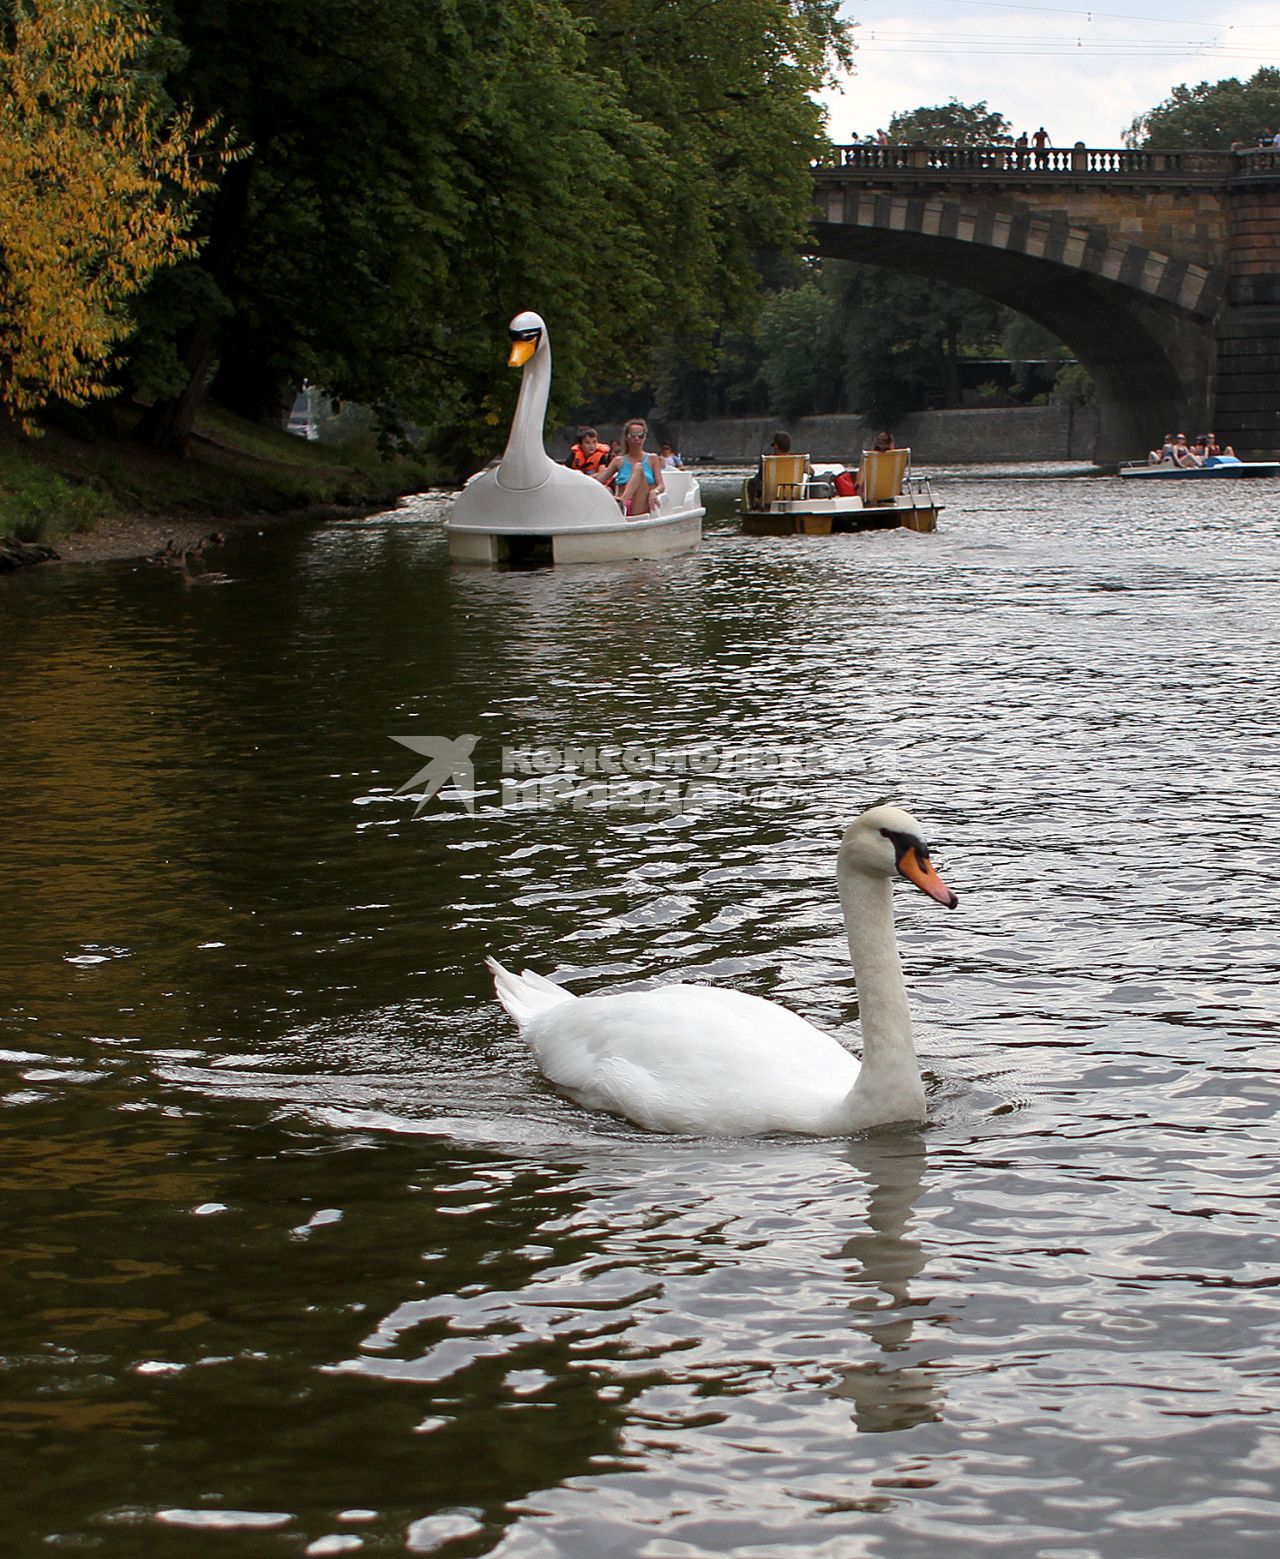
694 1058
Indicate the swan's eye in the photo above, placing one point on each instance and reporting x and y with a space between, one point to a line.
903 842
525 335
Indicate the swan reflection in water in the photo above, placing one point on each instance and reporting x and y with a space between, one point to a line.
898 1390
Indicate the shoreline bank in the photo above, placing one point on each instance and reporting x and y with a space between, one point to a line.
98 495
133 538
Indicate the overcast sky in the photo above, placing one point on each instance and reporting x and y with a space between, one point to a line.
1083 74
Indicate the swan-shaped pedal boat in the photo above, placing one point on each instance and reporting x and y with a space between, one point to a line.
528 509
709 1061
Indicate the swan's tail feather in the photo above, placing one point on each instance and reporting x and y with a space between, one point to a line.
527 994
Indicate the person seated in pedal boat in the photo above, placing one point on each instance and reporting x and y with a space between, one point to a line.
781 445
588 454
636 473
880 445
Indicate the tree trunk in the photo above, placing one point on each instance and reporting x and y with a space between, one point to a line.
951 384
168 423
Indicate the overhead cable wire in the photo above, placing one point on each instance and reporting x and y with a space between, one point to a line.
1093 15
1067 40
1044 45
1096 51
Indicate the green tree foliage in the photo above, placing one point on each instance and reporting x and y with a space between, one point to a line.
408 181
1212 116
731 385
726 87
1074 386
951 124
903 336
418 173
1025 341
802 357
728 380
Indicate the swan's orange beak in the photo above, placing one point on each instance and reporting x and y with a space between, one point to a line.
916 867
521 352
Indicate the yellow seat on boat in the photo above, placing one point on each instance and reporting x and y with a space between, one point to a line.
882 474
784 478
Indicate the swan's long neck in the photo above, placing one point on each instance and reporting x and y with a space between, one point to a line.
526 463
889 1066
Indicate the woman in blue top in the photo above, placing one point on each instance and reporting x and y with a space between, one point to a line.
638 474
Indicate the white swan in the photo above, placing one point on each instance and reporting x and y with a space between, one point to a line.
709 1061
528 490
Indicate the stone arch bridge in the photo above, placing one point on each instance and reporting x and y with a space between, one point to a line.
1160 270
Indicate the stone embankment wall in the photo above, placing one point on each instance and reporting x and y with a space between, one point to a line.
934 437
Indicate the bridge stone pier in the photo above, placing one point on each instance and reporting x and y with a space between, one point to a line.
1160 270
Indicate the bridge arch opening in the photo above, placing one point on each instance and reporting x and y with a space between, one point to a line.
1135 319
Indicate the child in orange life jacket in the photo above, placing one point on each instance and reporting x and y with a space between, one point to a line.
588 454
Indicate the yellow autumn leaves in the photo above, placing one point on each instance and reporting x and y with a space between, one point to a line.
97 186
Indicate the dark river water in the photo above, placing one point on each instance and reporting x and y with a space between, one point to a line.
302 1256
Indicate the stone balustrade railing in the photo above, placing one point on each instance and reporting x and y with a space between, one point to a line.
1053 162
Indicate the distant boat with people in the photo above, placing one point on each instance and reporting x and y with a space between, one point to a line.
1177 457
1219 469
790 497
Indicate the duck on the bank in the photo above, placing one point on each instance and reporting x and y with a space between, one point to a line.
709 1061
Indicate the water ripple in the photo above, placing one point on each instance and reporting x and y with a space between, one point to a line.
306 1253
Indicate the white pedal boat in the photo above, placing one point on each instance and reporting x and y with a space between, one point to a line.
1219 466
529 510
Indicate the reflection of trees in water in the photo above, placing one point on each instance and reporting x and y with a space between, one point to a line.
896 1391
500 1354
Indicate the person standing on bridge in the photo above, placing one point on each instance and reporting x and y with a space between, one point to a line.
1040 140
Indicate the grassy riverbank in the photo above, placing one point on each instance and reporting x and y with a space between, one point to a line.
92 491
